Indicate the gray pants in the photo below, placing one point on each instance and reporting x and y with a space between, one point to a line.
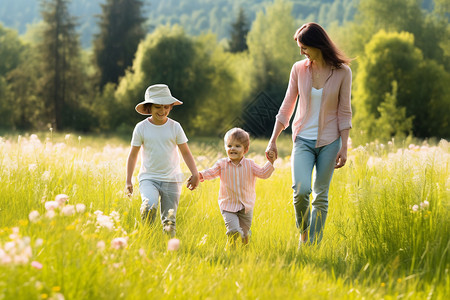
238 222
152 190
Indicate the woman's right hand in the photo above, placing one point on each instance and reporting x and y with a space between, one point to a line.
272 146
129 189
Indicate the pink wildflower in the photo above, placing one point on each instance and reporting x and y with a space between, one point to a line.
119 243
61 199
173 245
50 214
36 265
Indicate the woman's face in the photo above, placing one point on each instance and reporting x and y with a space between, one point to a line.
310 52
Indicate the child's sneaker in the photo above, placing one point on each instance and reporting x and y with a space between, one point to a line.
170 230
303 240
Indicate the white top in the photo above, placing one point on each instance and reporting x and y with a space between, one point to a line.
311 128
160 158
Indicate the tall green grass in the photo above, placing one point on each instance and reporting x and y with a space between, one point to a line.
377 243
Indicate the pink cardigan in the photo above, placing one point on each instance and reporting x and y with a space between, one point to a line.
335 108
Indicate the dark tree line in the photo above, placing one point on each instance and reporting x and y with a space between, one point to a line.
121 29
401 73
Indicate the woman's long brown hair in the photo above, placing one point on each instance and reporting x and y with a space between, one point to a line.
313 35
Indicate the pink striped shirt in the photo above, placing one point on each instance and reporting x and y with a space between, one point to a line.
237 182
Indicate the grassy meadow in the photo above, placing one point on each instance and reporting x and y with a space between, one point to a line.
387 234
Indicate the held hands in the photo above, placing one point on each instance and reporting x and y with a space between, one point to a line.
271 156
193 181
271 152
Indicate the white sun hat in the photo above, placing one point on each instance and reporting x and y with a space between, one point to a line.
157 94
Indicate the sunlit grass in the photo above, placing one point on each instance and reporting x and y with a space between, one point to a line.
387 234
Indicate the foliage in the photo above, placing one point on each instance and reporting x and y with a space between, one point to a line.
26 109
269 34
121 30
393 122
407 15
10 50
393 56
386 234
19 105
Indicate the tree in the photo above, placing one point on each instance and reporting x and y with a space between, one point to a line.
10 49
421 85
28 109
239 31
18 108
272 49
393 121
430 33
62 81
121 30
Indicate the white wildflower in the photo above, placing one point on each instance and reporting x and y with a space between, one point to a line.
68 210
80 208
425 204
33 216
51 205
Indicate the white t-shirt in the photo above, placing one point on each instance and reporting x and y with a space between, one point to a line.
311 128
160 158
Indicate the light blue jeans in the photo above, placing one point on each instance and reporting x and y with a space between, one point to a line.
305 156
152 190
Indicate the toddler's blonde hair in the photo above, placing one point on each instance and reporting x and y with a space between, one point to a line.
238 134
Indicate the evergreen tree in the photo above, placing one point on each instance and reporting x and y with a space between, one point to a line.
61 82
393 121
239 31
121 30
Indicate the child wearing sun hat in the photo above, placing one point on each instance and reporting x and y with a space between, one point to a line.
160 174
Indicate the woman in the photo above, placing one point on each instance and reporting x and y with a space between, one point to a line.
320 130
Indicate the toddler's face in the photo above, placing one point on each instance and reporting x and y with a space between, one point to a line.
235 150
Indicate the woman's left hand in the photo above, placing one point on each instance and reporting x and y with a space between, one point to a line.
341 158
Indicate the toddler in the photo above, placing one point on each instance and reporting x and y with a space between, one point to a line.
237 184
